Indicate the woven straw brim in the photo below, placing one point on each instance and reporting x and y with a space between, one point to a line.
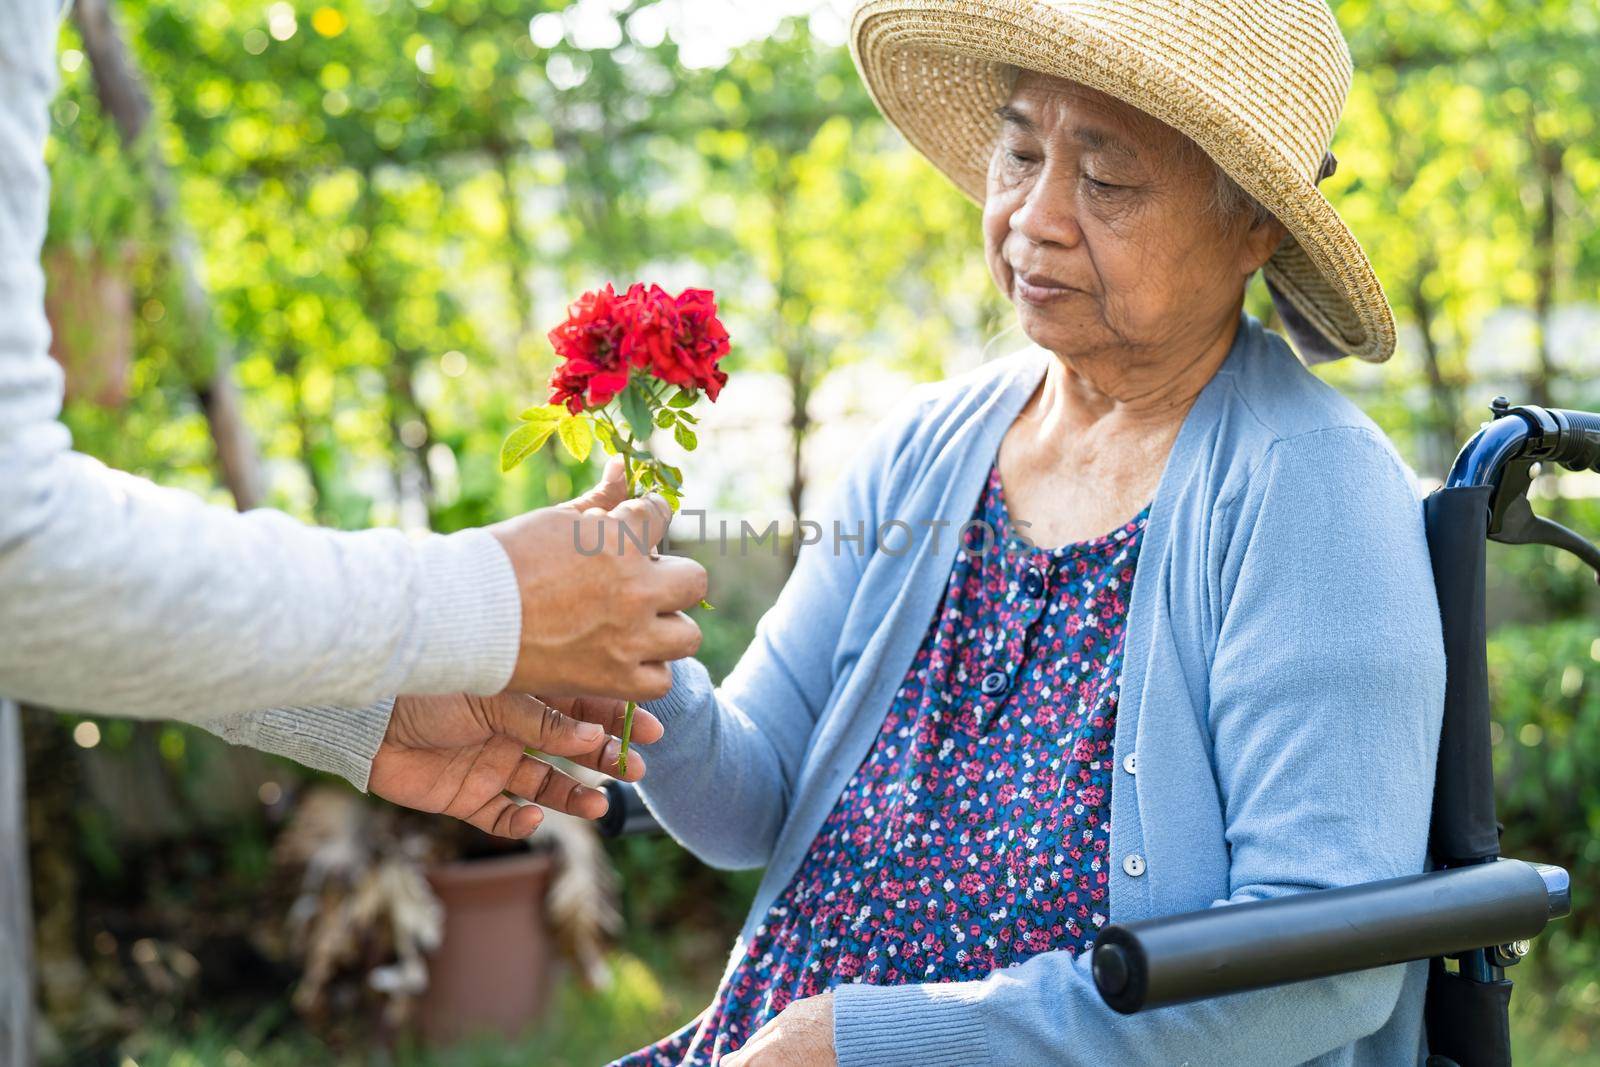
938 70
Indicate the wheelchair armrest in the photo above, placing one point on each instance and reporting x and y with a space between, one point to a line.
1235 947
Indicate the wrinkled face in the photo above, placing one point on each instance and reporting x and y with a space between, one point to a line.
1100 226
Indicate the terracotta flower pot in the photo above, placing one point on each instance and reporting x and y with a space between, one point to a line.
89 302
492 972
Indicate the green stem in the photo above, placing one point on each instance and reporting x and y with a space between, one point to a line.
627 715
627 733
627 447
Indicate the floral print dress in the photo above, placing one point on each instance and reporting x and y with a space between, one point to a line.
975 834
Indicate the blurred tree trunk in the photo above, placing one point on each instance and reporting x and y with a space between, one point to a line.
120 88
409 422
1441 426
519 249
794 343
308 432
72 1003
1547 160
17 954
409 425
1445 423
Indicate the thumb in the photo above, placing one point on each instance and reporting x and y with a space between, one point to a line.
611 490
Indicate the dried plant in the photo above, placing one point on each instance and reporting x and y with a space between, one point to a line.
365 917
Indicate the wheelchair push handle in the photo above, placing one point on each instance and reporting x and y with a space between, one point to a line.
1236 947
1577 444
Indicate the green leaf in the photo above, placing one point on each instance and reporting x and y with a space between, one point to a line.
608 440
636 409
684 416
665 418
548 413
523 442
685 437
683 398
577 436
670 475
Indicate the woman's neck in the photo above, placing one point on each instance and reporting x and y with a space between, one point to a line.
1088 450
1129 390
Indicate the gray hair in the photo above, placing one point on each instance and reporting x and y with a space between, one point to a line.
1230 202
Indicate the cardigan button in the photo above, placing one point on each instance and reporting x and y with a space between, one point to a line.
1133 865
1033 583
994 683
1130 763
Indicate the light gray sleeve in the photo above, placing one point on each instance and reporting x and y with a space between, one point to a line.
341 741
120 597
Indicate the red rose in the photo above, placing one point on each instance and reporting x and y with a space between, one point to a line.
678 340
592 370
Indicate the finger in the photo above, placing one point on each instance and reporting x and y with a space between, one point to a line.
647 517
677 583
609 714
503 817
649 681
669 637
537 781
525 819
611 490
605 760
538 725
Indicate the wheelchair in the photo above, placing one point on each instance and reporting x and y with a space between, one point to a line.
1473 913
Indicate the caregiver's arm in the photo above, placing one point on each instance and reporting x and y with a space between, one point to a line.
1326 694
119 596
721 780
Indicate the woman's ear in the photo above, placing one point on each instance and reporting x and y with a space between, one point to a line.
1259 245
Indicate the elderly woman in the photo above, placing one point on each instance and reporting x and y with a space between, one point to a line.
1212 670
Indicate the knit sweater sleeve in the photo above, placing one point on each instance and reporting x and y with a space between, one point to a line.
121 597
722 779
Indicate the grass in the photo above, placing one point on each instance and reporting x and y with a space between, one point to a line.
581 1029
1555 1023
1555 1007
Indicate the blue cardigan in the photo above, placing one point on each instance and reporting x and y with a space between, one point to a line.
1282 686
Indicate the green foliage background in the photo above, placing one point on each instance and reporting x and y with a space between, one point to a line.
395 200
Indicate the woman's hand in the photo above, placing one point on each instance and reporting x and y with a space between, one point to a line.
459 755
801 1036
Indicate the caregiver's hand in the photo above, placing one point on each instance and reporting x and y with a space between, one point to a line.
801 1036
600 615
459 755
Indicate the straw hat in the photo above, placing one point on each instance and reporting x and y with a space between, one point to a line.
1257 84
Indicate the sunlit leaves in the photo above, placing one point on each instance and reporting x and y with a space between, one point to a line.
350 205
577 436
538 424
